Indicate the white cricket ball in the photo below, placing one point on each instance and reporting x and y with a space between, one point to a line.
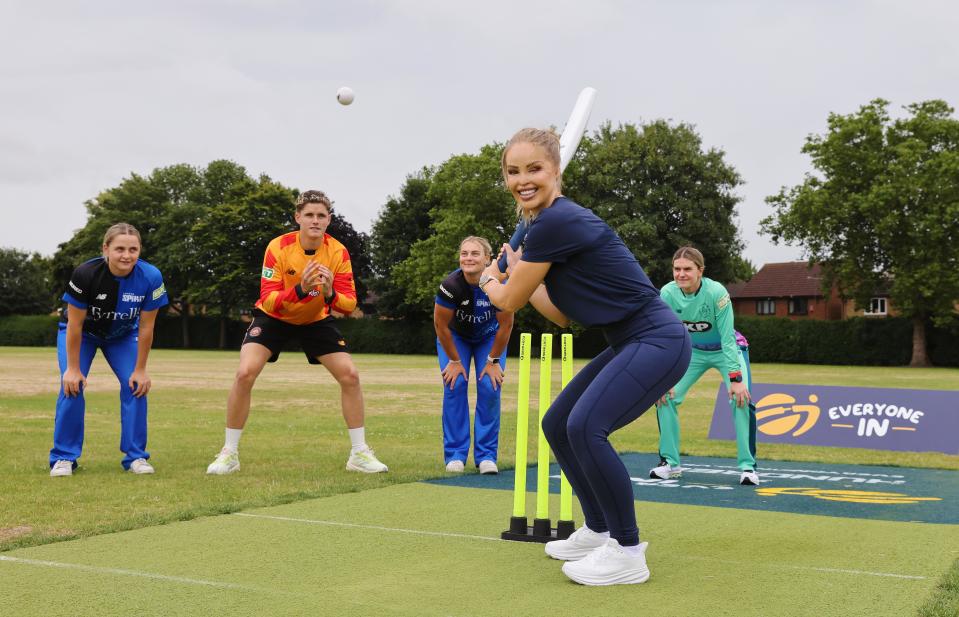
344 95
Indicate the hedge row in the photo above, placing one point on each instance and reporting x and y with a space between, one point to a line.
859 341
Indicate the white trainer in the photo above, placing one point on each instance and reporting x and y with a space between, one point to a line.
749 478
61 468
455 466
488 467
227 461
578 545
665 471
609 565
140 466
365 461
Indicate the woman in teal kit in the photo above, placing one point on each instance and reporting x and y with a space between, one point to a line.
706 311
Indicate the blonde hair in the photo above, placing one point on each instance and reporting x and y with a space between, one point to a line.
692 254
483 242
121 229
313 196
548 140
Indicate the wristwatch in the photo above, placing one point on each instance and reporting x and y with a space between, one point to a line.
486 278
736 378
492 360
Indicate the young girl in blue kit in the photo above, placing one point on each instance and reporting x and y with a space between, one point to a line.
111 304
573 266
470 331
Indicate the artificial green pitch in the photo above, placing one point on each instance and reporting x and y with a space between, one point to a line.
428 549
128 554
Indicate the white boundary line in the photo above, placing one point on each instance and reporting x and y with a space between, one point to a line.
442 534
150 575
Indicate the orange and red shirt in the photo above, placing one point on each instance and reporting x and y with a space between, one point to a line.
283 266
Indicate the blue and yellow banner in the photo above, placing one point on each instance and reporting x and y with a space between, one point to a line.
874 418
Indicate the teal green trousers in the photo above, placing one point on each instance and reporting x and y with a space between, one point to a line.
744 417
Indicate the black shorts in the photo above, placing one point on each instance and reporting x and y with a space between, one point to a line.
316 339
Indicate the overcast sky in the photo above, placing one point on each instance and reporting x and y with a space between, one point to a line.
91 92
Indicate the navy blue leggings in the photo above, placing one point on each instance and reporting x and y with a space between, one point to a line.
617 387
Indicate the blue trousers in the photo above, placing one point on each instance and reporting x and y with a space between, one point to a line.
456 413
617 387
121 354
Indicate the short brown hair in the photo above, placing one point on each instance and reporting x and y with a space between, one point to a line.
692 254
313 196
121 229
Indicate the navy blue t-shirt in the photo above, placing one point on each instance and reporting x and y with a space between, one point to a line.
474 316
113 303
595 279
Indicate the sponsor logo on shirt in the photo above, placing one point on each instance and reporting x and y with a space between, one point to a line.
97 314
128 297
101 296
465 302
159 291
722 302
291 272
482 303
267 273
697 326
445 292
75 288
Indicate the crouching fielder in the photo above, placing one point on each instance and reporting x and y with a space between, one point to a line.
706 311
573 266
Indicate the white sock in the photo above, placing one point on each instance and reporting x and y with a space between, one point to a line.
357 438
232 442
631 550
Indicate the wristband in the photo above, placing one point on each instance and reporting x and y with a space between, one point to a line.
492 360
736 377
455 361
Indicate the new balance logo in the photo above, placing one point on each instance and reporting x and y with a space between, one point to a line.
464 302
101 296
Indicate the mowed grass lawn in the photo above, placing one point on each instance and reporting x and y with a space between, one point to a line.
295 445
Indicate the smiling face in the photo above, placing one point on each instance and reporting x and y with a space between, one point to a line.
313 219
122 253
473 258
687 275
531 176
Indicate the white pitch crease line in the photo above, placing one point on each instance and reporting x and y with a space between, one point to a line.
443 534
786 566
440 534
102 570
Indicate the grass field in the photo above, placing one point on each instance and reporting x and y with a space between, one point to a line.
293 453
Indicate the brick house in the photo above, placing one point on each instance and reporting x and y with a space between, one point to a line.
794 290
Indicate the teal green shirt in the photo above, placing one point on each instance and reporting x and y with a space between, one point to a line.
708 316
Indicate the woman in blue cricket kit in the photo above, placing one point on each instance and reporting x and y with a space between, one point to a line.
574 267
470 330
111 304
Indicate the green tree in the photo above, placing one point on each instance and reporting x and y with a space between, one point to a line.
229 241
882 210
402 222
26 283
659 189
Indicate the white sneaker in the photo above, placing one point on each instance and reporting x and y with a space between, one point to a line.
227 461
140 466
61 468
455 466
488 467
749 478
578 545
364 460
665 471
609 565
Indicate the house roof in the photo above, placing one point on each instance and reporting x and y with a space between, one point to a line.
782 280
